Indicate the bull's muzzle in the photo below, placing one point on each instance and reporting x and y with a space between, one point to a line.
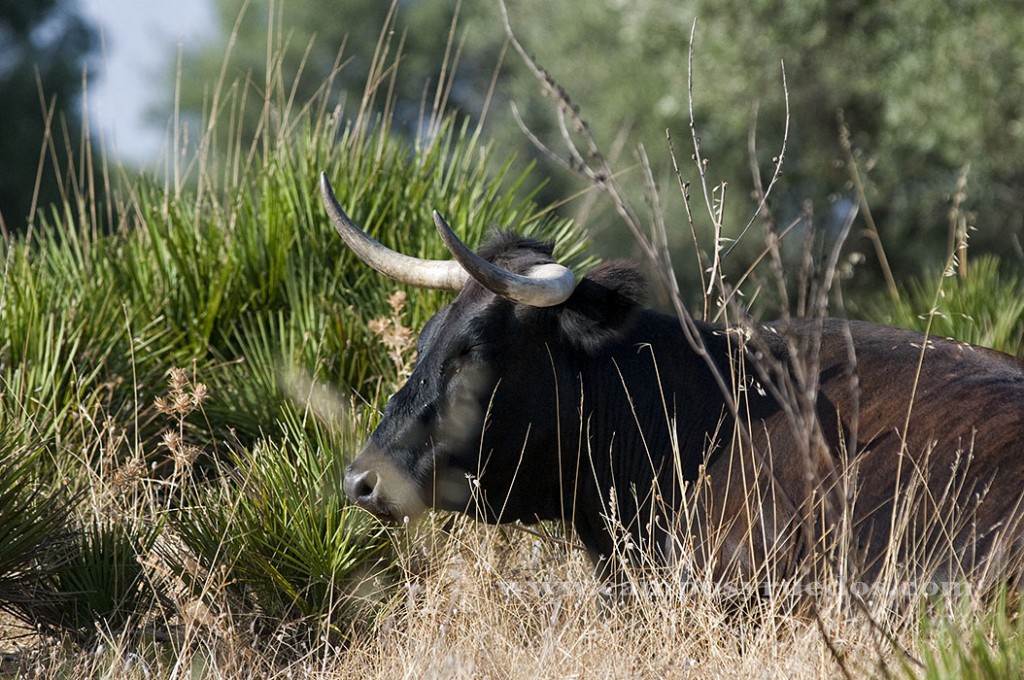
382 490
361 487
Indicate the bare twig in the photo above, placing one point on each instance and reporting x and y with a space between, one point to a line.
777 161
771 227
702 164
597 169
601 176
872 230
684 191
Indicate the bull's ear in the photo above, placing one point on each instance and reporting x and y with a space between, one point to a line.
602 306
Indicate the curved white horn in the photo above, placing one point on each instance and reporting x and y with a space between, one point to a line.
546 285
415 271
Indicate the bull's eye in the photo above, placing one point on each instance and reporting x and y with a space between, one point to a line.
470 350
453 365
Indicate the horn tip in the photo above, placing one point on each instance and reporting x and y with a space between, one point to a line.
440 221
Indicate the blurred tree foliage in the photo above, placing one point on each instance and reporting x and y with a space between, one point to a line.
926 90
44 47
312 42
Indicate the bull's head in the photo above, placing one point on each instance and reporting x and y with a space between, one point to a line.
476 426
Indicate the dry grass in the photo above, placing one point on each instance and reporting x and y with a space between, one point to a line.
480 601
489 606
509 604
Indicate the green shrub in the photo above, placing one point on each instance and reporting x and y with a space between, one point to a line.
985 307
32 528
275 539
98 583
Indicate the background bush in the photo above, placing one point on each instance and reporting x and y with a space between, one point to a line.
984 305
925 90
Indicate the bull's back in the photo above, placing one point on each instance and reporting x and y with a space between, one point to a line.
939 426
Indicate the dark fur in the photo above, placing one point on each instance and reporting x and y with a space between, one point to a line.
577 412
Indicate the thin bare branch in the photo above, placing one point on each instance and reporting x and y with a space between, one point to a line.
872 228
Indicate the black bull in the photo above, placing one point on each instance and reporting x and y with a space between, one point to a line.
589 408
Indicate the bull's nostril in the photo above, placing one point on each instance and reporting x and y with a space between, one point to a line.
359 486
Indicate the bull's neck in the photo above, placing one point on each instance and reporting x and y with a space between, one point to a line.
646 407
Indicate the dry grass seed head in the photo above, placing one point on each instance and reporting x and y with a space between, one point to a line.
184 395
397 338
129 475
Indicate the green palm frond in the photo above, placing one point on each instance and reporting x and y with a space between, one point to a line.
280 532
985 307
